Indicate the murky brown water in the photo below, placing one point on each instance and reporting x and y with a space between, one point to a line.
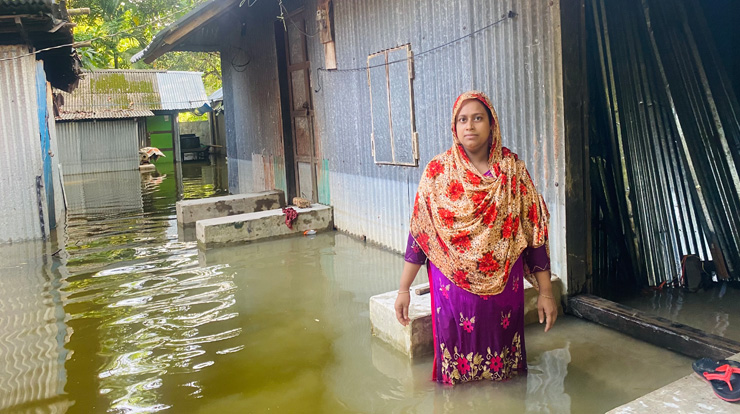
715 310
128 319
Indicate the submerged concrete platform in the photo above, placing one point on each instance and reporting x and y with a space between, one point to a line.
190 211
415 340
690 394
242 228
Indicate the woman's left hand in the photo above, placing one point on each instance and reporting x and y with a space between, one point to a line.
548 311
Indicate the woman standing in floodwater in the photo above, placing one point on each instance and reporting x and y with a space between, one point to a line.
481 223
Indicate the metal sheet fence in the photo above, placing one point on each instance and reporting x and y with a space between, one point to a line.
99 146
20 148
663 165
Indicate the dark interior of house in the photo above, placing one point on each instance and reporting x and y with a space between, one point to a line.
664 142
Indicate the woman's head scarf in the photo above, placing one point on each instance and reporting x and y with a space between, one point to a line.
472 226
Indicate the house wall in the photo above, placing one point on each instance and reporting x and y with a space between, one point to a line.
23 211
516 62
253 124
98 146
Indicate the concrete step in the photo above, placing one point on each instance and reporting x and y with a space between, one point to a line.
416 340
190 211
690 394
249 227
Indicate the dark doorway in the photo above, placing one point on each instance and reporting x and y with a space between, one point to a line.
294 69
662 148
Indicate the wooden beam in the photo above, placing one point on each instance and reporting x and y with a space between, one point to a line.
575 119
658 331
78 11
422 289
22 16
59 24
22 30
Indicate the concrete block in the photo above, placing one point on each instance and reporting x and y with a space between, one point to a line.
416 340
243 228
190 211
689 394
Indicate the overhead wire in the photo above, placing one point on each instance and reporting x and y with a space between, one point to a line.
509 15
282 17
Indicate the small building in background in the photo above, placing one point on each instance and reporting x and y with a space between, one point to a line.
113 113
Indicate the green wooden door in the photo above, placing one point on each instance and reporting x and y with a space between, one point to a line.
160 131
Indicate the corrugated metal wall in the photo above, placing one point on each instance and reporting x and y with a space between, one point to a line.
98 146
249 69
517 62
20 148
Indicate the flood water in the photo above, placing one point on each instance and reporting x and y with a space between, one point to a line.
714 309
128 319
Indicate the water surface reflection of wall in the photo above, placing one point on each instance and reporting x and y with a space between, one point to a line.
32 328
104 192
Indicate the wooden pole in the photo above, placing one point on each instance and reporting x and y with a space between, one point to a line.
78 12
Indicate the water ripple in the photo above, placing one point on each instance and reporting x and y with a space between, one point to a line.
154 309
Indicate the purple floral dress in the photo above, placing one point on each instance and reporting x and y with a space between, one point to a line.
478 337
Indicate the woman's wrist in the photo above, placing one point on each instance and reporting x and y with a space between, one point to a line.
545 295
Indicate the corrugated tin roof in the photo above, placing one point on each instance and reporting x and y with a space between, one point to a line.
41 24
25 6
107 94
217 96
183 29
181 90
104 114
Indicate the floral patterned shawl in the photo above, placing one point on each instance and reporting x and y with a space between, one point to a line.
473 227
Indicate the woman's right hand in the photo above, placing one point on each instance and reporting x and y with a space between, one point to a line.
402 308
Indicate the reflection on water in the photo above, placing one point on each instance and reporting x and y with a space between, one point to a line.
128 319
32 329
546 383
715 310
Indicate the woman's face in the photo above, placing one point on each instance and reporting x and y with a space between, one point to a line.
473 126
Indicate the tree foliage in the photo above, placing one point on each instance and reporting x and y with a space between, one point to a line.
121 28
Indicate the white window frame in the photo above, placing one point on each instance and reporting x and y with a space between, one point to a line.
414 135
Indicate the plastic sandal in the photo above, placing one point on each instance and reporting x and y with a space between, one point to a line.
723 375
